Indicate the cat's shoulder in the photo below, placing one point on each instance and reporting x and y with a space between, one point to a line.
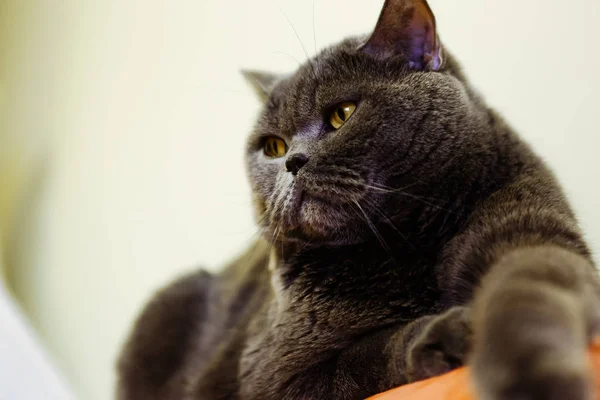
161 337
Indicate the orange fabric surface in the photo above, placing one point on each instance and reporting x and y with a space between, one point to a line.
456 385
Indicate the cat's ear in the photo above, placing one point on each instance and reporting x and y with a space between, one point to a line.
261 82
407 27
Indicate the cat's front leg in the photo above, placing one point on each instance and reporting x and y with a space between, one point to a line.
295 364
442 345
533 319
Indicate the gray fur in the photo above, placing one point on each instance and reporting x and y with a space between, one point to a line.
421 235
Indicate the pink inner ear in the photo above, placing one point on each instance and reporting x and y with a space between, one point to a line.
407 27
425 44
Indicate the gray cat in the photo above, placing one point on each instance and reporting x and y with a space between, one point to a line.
408 231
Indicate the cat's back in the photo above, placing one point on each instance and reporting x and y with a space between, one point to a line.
176 338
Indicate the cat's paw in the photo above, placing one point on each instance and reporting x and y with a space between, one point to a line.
531 344
443 345
550 377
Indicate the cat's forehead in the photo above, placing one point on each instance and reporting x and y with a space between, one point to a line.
340 68
334 71
332 64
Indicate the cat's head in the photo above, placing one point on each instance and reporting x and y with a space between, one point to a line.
358 137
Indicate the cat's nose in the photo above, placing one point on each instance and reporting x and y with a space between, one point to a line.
295 161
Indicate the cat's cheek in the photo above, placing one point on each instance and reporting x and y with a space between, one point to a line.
260 207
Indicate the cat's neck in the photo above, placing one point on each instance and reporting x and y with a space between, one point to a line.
394 283
311 265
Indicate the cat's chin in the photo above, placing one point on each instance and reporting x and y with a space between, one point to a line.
319 222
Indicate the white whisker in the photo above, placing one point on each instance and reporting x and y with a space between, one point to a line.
375 231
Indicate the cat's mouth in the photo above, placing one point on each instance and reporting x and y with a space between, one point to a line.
293 207
290 210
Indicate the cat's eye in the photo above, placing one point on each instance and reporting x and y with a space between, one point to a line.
274 147
341 113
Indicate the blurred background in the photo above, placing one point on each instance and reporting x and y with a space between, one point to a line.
122 130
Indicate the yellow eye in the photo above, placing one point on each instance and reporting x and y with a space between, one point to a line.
340 115
275 147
